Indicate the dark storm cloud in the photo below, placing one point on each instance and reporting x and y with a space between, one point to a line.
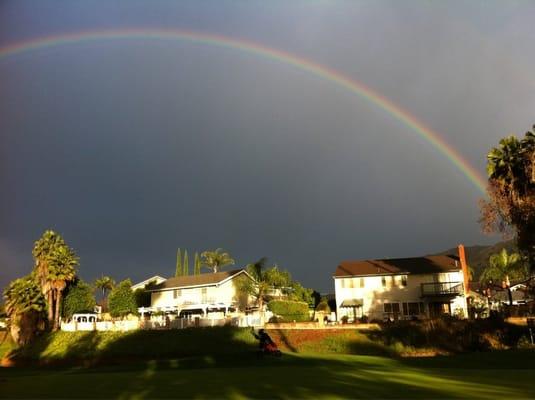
132 149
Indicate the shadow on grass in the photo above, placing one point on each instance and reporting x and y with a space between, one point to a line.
292 376
222 362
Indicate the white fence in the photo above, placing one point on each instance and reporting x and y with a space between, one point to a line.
100 326
177 323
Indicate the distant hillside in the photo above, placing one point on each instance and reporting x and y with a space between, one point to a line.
478 256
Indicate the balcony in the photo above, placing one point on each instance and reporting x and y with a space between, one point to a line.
442 289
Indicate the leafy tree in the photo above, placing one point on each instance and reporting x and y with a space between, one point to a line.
25 308
268 280
511 192
197 265
142 297
300 293
503 267
79 298
178 270
215 260
185 268
121 300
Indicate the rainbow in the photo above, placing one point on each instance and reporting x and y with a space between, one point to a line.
321 71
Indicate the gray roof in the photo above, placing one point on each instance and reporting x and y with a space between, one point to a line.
415 265
196 280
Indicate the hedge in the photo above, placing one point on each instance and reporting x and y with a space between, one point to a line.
289 310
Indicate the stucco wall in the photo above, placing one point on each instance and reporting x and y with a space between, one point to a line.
223 293
374 294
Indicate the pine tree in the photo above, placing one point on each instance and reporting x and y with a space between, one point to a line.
197 265
178 270
185 267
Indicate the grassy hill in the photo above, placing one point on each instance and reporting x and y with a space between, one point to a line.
478 256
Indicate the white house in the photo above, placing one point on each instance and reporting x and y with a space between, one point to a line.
199 294
402 288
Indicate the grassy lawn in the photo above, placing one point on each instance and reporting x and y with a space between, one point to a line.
483 376
222 363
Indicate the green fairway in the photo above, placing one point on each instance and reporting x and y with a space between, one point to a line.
476 375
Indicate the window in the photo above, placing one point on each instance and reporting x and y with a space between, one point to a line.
413 308
391 307
383 282
177 293
343 283
361 282
204 294
404 280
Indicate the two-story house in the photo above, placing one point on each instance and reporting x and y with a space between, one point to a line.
204 293
402 288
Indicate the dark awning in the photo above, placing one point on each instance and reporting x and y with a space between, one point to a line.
352 303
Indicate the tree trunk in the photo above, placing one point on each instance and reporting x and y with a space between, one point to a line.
50 308
58 313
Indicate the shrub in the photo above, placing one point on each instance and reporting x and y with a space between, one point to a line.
323 306
79 298
122 301
289 310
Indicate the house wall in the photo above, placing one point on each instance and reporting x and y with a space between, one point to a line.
223 293
374 295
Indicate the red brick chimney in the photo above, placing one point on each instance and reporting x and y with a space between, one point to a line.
464 266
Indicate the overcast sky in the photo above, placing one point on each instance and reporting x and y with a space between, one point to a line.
133 148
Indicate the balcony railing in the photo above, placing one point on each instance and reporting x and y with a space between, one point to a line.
442 289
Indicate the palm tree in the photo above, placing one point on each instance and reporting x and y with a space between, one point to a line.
505 164
25 307
62 270
105 284
42 248
216 259
528 151
503 267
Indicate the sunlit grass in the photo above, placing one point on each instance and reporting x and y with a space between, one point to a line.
292 376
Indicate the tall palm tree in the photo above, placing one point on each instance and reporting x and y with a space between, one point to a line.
62 270
505 164
528 150
216 259
502 268
42 249
105 284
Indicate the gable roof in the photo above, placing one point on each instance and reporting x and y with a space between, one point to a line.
413 265
207 279
142 284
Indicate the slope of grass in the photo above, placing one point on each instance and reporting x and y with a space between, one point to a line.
68 347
